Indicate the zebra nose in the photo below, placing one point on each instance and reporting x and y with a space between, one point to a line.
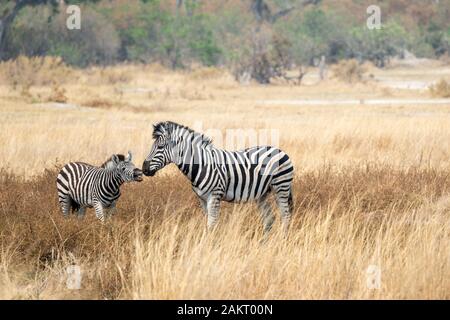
147 171
146 167
137 174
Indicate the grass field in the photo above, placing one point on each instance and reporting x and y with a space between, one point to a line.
372 188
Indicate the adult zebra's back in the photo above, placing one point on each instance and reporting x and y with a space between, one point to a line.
217 174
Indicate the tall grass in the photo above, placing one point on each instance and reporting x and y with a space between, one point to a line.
157 246
372 188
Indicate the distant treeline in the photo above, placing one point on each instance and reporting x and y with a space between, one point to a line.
238 34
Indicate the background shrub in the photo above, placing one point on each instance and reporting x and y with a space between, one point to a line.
441 89
233 34
35 71
349 71
39 32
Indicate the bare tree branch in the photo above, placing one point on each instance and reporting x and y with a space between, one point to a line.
280 14
263 12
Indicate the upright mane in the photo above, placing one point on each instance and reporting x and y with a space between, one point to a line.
161 128
105 164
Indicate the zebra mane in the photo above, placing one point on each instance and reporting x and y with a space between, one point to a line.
161 128
105 164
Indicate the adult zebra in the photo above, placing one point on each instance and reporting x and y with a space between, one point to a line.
81 185
216 174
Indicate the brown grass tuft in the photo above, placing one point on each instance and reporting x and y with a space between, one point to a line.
207 73
26 72
350 71
58 94
441 89
99 103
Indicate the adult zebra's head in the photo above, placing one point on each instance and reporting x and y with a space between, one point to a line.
161 152
125 168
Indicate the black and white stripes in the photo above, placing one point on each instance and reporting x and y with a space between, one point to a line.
81 185
217 174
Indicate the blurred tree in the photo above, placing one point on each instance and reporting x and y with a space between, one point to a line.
188 37
268 55
437 38
32 34
175 37
189 5
263 13
378 46
257 37
11 9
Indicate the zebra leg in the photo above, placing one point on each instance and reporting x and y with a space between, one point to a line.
81 212
204 205
65 204
284 201
112 210
99 211
266 213
213 208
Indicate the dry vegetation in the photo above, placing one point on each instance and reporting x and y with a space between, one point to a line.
372 187
350 71
441 89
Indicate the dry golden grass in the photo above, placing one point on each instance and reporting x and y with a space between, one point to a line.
372 187
27 72
157 245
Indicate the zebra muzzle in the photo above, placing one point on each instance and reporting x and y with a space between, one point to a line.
150 173
137 175
146 169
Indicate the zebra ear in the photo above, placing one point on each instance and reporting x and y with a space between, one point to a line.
115 159
157 130
129 157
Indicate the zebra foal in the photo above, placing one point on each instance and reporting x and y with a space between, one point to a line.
81 185
220 175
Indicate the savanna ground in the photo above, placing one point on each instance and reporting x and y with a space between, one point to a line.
372 187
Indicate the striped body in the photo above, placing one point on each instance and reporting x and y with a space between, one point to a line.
219 175
81 185
238 176
86 184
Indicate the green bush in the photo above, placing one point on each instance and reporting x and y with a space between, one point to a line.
37 32
153 31
378 45
139 26
234 29
203 44
155 34
315 33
